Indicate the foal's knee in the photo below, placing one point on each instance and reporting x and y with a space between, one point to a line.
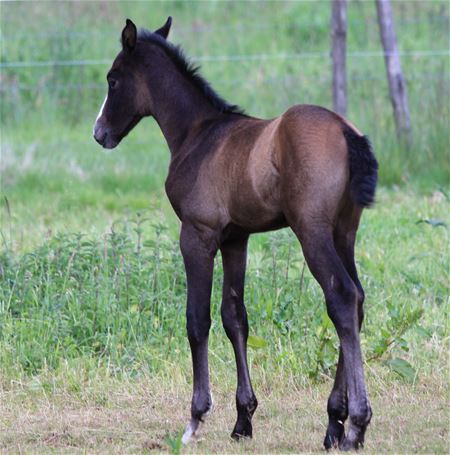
197 328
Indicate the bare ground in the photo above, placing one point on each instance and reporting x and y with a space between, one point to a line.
137 416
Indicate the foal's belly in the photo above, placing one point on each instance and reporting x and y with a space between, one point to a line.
239 184
263 225
255 202
254 210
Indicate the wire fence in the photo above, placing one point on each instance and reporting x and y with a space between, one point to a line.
236 58
14 86
423 75
214 28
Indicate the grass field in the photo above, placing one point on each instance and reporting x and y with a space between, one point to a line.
93 352
147 415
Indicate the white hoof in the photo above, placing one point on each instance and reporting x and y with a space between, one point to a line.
193 427
191 431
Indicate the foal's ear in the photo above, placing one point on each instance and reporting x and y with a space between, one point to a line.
129 36
165 29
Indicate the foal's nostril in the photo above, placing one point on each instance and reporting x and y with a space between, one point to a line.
100 139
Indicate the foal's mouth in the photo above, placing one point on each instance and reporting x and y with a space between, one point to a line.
105 140
104 136
109 140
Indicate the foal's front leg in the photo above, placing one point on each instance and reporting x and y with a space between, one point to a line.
234 318
198 252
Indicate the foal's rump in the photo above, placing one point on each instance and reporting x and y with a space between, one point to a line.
325 164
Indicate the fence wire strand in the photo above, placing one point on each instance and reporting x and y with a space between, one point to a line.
235 58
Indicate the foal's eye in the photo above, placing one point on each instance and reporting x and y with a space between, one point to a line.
112 83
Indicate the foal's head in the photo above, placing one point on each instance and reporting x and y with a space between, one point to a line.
128 99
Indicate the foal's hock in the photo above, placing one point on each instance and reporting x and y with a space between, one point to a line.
231 175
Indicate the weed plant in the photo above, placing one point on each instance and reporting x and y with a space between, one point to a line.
120 299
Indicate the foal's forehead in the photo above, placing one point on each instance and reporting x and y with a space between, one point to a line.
144 50
124 61
119 62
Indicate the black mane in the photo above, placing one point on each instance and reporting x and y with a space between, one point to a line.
191 71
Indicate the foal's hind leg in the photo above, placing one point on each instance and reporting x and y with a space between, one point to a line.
337 407
234 318
344 241
341 297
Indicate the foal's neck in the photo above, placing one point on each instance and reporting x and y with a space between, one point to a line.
180 109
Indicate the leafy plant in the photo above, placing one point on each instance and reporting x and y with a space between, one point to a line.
174 442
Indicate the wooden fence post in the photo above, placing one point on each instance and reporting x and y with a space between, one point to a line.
397 87
338 55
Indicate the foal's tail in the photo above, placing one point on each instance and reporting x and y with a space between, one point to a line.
363 168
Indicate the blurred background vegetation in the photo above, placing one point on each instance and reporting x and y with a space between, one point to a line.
264 56
89 265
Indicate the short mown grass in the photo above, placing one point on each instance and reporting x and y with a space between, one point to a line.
78 411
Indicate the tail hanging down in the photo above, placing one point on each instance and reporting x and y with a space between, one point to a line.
363 168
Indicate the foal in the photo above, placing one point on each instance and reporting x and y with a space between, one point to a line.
231 175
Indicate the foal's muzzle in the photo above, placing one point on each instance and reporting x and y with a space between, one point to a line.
104 137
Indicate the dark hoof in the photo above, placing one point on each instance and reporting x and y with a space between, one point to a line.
348 445
334 436
243 428
354 439
242 431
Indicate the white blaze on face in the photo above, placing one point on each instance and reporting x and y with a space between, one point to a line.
100 113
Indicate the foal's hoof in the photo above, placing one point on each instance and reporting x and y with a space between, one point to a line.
244 431
348 445
191 432
354 439
243 428
197 419
334 436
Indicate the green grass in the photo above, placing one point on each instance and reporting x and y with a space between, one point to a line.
93 350
119 297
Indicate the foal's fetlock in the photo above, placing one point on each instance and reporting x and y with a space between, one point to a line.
362 419
334 435
199 410
354 439
356 431
337 409
243 427
202 406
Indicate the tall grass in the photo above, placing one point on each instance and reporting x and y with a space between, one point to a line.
120 299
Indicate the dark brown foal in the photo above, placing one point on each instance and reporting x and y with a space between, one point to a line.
232 175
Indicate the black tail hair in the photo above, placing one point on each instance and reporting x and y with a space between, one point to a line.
363 168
